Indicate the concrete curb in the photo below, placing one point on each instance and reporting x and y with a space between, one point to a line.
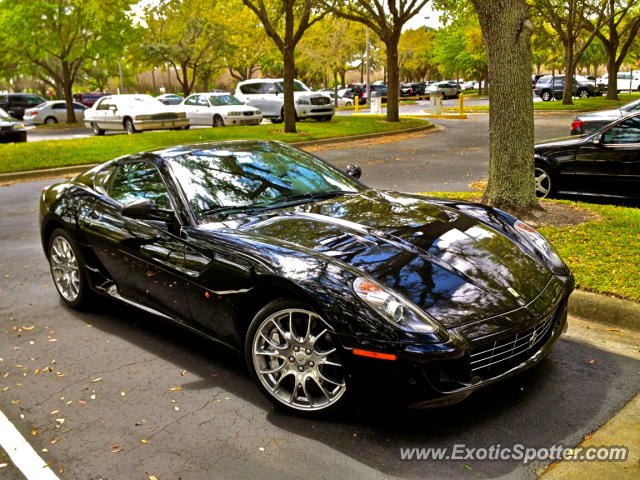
609 311
26 175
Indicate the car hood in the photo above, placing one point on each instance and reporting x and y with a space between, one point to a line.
235 108
449 263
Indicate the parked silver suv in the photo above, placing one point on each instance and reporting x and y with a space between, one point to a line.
266 94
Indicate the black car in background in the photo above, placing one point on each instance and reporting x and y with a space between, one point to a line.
549 87
16 103
11 130
327 286
412 89
590 122
604 163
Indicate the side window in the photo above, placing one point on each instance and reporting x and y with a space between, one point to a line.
251 88
625 132
202 101
103 178
59 106
192 100
103 105
33 100
133 181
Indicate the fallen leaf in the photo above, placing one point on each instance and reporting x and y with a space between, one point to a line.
175 389
116 448
152 477
144 441
34 432
60 420
92 397
468 467
54 441
96 380
59 374
54 412
588 437
16 401
261 449
591 362
82 402
122 394
176 408
3 465
183 373
215 374
29 328
61 470
45 450
6 388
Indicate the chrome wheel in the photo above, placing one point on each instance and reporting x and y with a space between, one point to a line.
64 268
217 121
543 183
296 360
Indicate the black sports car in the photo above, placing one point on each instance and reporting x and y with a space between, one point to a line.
328 287
604 163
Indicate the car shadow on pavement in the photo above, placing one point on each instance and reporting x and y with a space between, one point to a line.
570 394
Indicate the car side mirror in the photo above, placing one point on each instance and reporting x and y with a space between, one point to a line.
146 209
597 140
354 171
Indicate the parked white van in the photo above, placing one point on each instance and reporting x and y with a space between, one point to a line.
266 94
626 80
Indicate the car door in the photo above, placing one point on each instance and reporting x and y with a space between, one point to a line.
145 258
205 113
59 111
610 164
79 109
192 109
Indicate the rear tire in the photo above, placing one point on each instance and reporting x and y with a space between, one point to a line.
296 360
583 93
544 183
50 120
68 270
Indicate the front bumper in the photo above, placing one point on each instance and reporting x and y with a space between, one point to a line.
311 111
13 136
242 120
428 375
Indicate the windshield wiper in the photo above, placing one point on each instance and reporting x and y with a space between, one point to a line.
314 195
225 211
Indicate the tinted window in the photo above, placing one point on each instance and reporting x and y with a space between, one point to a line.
133 181
59 106
33 100
252 88
104 104
259 174
220 100
625 132
103 178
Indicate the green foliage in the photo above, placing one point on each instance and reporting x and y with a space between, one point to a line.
415 54
59 153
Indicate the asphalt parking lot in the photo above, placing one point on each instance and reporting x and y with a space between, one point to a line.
114 393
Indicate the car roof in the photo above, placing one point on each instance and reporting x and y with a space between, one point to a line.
261 80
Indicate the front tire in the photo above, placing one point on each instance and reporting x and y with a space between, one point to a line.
546 96
68 269
544 183
583 93
295 359
96 130
129 126
217 121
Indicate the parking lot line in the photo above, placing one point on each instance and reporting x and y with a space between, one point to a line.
22 453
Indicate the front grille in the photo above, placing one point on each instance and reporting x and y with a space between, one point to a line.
320 100
247 114
497 357
164 116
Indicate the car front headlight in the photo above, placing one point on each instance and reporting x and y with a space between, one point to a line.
393 308
258 112
303 101
537 241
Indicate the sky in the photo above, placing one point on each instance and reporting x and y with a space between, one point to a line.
426 17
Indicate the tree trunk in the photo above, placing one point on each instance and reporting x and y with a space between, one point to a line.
393 78
569 72
612 72
289 74
67 84
507 29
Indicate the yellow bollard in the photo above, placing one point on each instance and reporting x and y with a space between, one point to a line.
461 104
357 100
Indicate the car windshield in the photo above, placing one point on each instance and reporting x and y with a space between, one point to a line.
255 176
631 106
221 100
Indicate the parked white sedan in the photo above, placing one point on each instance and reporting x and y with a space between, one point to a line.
51 113
133 113
217 109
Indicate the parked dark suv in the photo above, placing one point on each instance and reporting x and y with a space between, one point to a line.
16 103
549 87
